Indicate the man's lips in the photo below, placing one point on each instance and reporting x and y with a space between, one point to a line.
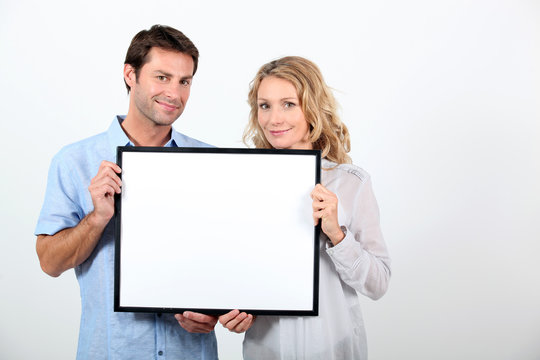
278 132
167 106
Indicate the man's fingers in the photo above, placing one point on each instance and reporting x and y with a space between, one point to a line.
179 317
201 323
198 317
106 186
107 170
107 164
110 189
195 326
104 174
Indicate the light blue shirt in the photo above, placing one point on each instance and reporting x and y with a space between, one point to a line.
105 334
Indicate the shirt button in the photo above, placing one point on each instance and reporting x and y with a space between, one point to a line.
160 353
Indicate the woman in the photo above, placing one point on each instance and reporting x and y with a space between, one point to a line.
293 108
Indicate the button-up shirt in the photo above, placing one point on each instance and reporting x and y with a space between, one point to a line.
105 334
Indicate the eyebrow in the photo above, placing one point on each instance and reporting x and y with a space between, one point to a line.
282 99
164 73
160 72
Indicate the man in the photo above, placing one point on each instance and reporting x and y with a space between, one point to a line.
76 225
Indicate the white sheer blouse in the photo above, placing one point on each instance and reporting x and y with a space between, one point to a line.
359 264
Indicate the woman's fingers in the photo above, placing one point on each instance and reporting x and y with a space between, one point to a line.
236 321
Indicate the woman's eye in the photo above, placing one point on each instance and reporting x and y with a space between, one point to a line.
289 104
263 106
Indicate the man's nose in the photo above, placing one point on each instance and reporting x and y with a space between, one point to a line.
173 90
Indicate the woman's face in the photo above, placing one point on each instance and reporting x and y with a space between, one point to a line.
280 115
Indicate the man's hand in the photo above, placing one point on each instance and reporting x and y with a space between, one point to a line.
236 321
196 322
102 188
71 246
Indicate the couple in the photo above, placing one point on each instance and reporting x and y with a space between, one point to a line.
291 107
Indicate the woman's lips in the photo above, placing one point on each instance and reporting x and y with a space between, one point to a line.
278 132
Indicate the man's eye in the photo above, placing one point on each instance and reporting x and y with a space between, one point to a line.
161 78
185 82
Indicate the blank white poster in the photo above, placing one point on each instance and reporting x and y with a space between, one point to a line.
217 229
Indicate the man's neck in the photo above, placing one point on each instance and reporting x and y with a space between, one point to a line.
145 133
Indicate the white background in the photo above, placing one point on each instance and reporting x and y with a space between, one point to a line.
443 102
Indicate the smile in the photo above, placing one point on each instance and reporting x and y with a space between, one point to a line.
278 132
167 106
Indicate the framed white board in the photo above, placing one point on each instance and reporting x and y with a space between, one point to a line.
211 230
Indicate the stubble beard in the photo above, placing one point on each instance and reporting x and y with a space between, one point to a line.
149 110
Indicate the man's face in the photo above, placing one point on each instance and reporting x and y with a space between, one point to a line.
160 91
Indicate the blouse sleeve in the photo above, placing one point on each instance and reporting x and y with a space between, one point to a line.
361 258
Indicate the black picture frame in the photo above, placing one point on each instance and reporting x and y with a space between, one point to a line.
215 229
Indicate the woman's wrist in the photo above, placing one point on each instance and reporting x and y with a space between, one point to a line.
337 237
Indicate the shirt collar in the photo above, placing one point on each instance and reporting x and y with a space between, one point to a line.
175 139
117 136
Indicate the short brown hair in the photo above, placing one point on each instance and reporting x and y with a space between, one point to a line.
327 132
161 36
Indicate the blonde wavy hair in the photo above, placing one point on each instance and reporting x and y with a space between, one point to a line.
327 132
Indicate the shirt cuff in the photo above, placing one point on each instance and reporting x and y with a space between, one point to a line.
348 253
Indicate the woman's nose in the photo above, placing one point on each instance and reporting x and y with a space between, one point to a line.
276 117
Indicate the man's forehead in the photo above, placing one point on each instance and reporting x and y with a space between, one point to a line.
166 60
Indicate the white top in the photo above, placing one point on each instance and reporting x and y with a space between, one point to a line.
359 263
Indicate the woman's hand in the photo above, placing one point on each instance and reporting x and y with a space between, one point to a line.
325 207
236 321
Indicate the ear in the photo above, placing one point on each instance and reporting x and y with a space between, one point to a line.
129 75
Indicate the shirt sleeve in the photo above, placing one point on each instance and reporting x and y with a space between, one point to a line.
361 258
61 207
